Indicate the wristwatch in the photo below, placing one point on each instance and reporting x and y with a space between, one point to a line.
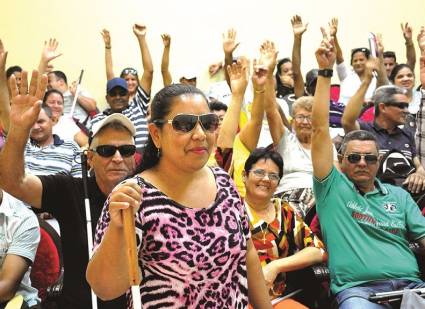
325 73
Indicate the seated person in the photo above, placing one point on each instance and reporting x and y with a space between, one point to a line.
63 125
294 146
19 238
391 108
283 241
366 224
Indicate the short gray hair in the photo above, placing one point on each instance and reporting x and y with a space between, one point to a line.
385 94
357 135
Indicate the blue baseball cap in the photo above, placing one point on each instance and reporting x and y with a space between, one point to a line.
116 82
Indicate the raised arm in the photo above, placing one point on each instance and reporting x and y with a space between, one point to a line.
410 47
421 43
239 80
382 77
4 92
299 28
229 45
333 29
250 133
165 62
268 58
108 54
355 104
321 143
147 76
48 54
24 113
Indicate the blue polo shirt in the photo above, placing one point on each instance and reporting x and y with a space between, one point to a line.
400 139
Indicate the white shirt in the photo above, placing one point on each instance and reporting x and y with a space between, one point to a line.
350 83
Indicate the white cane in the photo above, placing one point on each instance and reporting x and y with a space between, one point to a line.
77 92
88 215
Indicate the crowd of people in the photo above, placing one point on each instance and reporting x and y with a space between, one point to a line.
267 173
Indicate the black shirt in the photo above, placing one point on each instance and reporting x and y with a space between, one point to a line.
63 197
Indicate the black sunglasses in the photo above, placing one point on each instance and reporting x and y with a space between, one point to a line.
400 105
107 151
356 157
187 122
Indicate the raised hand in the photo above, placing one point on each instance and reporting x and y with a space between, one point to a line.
325 54
139 30
3 57
333 27
238 77
372 65
268 56
297 26
259 76
407 32
127 194
106 38
26 102
229 41
214 68
421 39
50 50
166 39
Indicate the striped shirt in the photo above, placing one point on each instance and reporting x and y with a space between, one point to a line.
420 129
59 157
136 112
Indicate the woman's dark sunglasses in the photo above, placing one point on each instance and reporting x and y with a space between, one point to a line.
356 157
187 122
107 151
400 105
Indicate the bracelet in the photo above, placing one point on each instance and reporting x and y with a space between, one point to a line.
108 47
325 73
259 91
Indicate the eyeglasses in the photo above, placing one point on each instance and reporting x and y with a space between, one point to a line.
400 105
129 71
262 173
356 157
107 151
301 118
187 122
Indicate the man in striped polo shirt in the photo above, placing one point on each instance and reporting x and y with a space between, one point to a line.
47 153
117 97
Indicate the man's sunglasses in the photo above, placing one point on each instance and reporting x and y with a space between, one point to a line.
187 122
400 105
107 151
356 157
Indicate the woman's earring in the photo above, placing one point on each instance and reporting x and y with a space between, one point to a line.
158 154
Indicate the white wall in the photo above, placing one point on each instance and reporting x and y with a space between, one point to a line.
195 27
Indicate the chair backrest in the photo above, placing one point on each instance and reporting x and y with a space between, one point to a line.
335 90
48 263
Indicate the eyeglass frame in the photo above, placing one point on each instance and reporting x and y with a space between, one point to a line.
259 176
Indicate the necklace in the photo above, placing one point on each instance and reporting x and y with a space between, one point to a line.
264 232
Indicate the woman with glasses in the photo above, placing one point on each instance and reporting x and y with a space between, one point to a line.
193 238
294 146
283 241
